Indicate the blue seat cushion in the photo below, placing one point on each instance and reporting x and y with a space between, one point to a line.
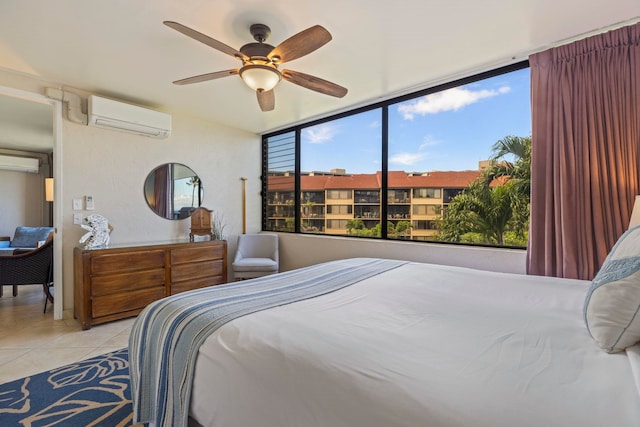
28 237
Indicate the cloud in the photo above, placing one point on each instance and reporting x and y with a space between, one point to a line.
411 159
319 134
407 159
447 100
375 124
428 141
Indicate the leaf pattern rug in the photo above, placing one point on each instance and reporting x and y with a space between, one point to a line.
92 392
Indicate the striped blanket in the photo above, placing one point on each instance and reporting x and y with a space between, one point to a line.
166 336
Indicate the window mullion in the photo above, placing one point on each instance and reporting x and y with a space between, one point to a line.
385 168
297 186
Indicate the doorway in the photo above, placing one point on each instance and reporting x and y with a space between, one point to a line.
19 98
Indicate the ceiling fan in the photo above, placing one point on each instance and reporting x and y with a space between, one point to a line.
260 61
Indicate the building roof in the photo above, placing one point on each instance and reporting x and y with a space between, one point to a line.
434 179
397 179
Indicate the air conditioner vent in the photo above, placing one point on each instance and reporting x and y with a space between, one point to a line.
20 164
110 114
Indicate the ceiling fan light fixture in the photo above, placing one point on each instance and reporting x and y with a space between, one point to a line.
260 77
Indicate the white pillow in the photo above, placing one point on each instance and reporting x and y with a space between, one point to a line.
612 305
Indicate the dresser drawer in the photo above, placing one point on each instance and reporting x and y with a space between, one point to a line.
127 282
125 301
188 285
126 261
186 255
196 270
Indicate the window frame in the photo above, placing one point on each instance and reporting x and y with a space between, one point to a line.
384 107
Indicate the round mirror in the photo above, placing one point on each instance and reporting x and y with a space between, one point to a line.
173 191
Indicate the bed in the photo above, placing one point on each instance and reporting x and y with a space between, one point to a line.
407 344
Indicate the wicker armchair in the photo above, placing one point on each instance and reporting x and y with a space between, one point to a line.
28 268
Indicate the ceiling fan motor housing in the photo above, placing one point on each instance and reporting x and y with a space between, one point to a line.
256 49
260 32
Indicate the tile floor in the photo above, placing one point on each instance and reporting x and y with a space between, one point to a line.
32 342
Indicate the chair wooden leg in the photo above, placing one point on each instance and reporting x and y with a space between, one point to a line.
47 293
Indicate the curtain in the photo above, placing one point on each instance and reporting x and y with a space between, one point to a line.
163 190
585 142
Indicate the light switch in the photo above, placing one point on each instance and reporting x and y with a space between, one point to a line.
77 218
77 204
89 203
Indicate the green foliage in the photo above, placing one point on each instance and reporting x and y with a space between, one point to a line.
518 171
289 224
403 228
479 209
512 238
356 227
499 213
353 225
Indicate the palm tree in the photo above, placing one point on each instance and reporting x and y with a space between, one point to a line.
306 212
518 171
479 209
498 201
195 182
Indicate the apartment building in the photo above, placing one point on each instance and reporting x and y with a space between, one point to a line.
330 201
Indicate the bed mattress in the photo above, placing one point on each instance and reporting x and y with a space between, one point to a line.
419 345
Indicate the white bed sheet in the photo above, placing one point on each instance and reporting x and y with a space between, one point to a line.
421 345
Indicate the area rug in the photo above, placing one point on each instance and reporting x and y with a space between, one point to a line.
92 392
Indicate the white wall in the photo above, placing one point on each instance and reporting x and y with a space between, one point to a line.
300 250
21 201
112 167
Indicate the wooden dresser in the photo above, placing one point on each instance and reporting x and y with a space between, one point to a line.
119 281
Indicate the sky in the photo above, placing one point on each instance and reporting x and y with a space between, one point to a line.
449 130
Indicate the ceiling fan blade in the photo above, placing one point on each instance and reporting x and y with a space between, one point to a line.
300 44
266 99
206 77
314 83
206 40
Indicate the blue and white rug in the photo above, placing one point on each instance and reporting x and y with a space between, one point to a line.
92 392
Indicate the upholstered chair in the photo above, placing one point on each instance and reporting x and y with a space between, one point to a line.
257 256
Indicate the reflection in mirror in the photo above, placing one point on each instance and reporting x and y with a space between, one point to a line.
173 191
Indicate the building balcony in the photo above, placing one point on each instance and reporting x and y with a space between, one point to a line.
367 215
399 216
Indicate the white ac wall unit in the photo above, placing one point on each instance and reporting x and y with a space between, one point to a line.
20 164
107 113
